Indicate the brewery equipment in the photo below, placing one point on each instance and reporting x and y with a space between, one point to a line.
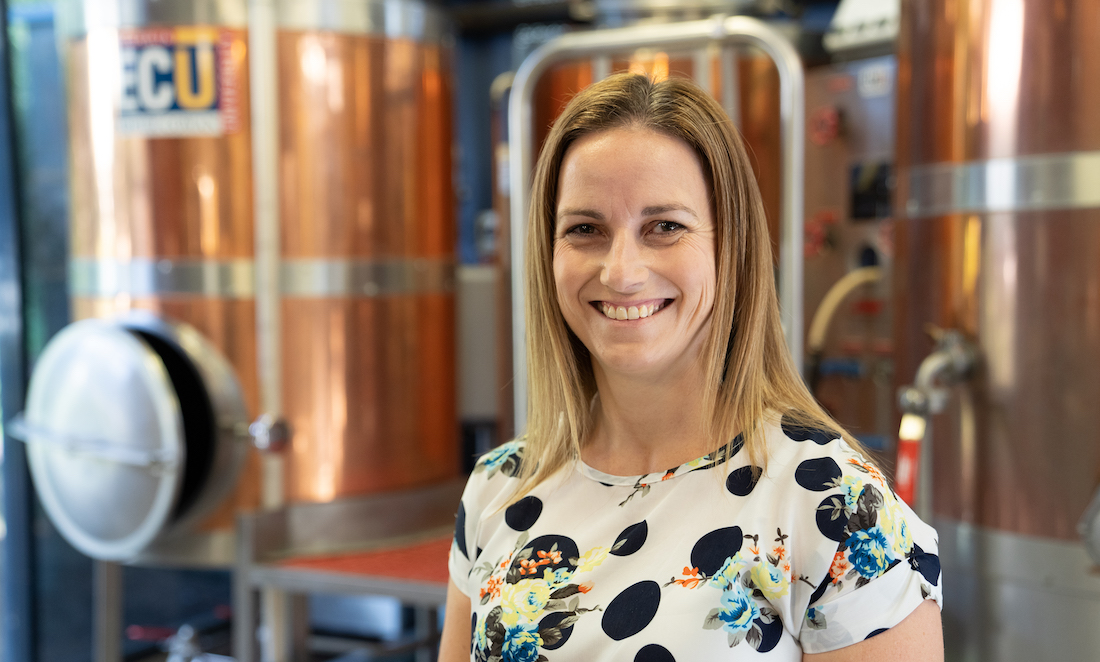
995 239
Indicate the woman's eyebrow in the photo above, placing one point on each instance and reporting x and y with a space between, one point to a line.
652 210
590 213
661 209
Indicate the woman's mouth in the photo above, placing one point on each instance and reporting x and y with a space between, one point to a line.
614 312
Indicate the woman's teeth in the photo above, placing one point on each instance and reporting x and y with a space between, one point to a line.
631 312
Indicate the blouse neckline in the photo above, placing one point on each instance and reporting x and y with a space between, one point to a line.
712 459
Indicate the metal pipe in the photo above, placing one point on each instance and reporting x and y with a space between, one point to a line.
265 137
688 35
107 615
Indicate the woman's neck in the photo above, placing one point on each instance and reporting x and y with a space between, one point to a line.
645 425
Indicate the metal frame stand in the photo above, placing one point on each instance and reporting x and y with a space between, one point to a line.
686 36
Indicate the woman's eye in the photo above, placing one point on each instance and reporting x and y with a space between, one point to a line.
581 229
667 227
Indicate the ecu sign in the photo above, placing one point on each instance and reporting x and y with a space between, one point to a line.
179 82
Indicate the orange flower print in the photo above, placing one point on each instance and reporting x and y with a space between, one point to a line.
585 587
492 588
554 556
840 567
691 578
780 552
870 469
671 473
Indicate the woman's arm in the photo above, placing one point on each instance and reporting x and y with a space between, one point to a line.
918 638
454 646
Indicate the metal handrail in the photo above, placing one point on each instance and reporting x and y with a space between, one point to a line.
688 35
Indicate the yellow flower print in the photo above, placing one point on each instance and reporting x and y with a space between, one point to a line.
892 521
592 558
853 487
771 581
527 597
557 578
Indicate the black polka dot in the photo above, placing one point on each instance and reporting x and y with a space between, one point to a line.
876 633
819 474
820 590
799 432
741 481
832 523
523 514
632 610
548 628
770 634
460 529
712 550
631 539
928 565
546 544
654 653
473 629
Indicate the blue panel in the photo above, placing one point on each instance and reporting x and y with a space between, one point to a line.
17 635
477 62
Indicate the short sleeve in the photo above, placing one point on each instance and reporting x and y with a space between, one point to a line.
883 560
491 480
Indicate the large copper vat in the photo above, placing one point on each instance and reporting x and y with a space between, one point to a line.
163 200
367 237
997 235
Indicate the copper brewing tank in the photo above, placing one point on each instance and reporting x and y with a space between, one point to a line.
367 242
162 207
996 237
164 220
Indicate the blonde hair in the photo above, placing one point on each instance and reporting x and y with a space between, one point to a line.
748 368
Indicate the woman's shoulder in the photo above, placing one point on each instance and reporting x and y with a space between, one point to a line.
813 454
505 460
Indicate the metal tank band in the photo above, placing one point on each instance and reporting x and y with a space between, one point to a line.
123 14
389 19
235 279
1025 183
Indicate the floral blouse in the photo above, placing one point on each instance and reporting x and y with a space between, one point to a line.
709 560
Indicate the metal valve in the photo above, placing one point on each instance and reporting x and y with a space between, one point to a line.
269 433
1089 528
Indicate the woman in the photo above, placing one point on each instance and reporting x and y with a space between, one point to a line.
678 495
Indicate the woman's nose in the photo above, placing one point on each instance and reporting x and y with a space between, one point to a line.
624 268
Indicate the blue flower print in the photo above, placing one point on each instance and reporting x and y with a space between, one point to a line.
728 574
506 459
521 643
497 456
738 610
869 553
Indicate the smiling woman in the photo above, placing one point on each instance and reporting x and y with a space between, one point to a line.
678 493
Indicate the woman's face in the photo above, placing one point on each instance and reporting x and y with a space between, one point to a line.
634 255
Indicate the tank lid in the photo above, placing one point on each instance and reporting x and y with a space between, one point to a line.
105 439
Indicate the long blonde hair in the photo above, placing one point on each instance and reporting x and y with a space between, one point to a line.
748 368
